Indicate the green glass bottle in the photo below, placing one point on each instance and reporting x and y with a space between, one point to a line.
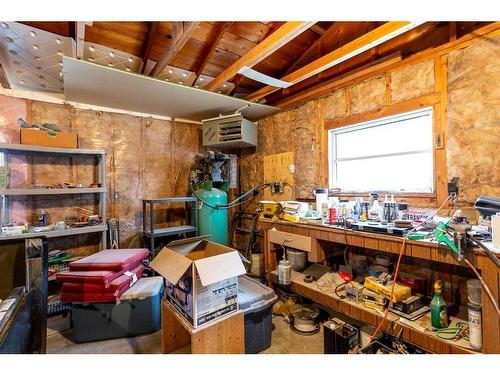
439 313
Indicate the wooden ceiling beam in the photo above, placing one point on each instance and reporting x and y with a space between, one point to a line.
330 32
4 82
148 43
272 43
332 58
318 30
221 29
181 33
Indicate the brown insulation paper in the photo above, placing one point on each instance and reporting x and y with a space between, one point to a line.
335 105
474 118
412 81
368 95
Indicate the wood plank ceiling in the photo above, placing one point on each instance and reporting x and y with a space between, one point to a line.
202 51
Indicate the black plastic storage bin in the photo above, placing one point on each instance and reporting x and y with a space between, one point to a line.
138 313
256 300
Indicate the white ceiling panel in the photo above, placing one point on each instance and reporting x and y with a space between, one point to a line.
89 83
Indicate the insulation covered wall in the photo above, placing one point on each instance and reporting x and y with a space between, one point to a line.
474 118
146 158
412 81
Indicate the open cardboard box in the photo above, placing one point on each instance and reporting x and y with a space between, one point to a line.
202 278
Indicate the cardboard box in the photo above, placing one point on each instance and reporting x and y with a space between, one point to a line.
202 278
50 139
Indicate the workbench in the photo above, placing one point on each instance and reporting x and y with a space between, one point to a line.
317 237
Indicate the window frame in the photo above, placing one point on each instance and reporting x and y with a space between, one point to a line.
332 159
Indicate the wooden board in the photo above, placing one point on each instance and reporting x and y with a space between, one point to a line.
222 336
276 169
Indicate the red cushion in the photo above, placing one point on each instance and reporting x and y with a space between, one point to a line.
94 297
88 277
116 284
110 260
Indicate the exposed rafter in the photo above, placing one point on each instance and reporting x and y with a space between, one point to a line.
318 29
329 33
148 43
348 50
79 37
272 43
221 29
181 33
4 82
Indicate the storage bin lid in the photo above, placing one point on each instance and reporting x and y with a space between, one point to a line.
253 295
144 288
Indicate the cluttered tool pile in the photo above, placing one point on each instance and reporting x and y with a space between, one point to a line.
381 286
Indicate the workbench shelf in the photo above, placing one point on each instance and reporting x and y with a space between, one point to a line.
58 233
21 192
317 239
30 150
425 340
151 232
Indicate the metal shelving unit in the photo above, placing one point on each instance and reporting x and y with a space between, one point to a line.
153 232
5 193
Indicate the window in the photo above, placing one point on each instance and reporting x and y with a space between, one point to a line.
393 154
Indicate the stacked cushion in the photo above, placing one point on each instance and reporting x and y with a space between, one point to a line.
102 277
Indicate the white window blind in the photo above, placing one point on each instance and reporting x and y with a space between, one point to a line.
393 154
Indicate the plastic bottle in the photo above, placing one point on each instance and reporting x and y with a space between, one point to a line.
439 312
375 211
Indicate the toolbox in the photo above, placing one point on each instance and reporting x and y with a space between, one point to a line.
138 313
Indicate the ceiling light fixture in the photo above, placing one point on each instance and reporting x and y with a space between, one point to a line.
58 41
4 25
184 75
60 63
91 49
12 52
35 47
130 60
59 53
15 62
180 83
32 33
37 58
8 40
127 69
201 79
170 71
111 54
224 85
110 64
21 82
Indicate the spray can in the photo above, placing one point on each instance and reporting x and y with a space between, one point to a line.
475 326
439 312
43 218
284 272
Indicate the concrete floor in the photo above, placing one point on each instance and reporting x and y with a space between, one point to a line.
284 341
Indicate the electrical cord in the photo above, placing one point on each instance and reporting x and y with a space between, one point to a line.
235 202
488 291
401 251
488 252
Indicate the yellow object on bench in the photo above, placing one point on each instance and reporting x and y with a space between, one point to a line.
401 292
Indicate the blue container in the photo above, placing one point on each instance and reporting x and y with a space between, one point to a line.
256 300
139 313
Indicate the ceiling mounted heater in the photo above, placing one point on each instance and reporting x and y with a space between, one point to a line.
231 131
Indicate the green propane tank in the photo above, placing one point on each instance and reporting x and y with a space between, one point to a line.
210 220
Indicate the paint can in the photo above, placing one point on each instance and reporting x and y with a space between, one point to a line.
284 272
475 326
297 258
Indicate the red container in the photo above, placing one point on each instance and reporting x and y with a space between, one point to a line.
332 215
